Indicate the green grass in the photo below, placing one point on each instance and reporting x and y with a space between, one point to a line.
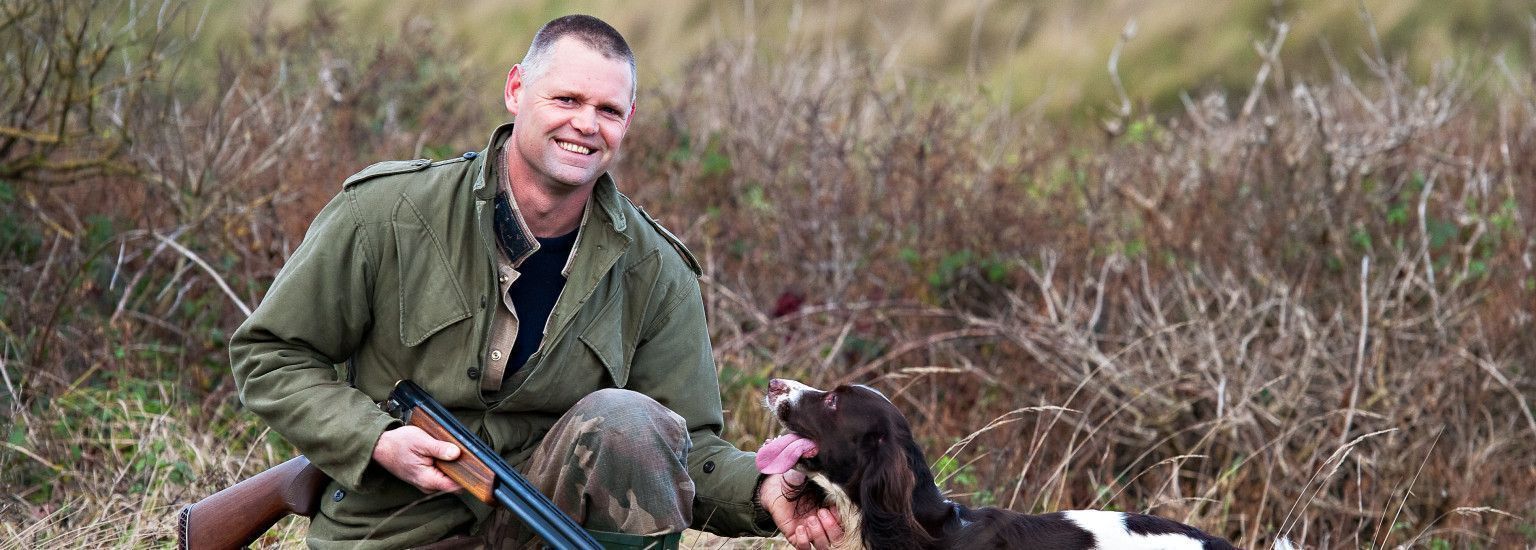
1036 55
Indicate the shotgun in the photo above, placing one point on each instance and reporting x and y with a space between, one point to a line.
482 472
237 516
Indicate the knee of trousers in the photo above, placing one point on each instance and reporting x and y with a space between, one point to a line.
632 420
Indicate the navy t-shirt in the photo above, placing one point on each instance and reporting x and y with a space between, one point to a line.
533 295
538 283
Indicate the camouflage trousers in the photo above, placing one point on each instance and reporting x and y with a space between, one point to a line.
616 462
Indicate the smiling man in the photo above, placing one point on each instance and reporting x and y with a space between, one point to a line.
551 315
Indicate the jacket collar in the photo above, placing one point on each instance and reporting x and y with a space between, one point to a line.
600 241
605 196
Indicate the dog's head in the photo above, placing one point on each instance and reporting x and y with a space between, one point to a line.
831 432
855 437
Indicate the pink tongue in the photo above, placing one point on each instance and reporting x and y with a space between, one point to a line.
779 454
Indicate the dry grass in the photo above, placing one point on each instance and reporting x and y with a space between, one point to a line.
1303 312
1305 321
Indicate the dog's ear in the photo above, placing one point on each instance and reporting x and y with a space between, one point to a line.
888 481
886 485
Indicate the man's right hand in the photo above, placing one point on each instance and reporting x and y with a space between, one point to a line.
408 453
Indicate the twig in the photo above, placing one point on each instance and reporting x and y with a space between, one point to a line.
1525 407
133 282
1098 298
1271 58
34 456
117 267
216 278
1194 112
1048 261
42 277
1365 318
1429 263
15 395
1126 34
1384 68
837 345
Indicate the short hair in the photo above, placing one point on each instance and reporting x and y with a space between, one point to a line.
592 32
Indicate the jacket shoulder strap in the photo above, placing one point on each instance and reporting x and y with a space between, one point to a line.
688 258
386 168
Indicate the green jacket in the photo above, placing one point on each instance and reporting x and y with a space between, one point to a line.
396 278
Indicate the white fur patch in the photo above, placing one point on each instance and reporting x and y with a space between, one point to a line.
1109 531
797 391
847 514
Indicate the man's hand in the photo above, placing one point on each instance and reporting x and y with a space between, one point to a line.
408 452
816 529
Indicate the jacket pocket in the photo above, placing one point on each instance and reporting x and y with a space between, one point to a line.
615 331
430 296
605 336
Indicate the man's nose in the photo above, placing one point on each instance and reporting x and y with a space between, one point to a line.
585 121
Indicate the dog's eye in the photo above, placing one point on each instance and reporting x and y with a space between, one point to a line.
830 400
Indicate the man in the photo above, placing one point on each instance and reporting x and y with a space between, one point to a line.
551 315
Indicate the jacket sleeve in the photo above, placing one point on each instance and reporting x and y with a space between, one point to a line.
674 365
312 318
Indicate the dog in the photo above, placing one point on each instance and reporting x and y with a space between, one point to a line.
855 450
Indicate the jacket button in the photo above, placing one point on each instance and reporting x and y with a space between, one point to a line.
709 467
473 373
338 495
471 155
495 355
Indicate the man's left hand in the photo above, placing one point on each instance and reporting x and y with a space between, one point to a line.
817 529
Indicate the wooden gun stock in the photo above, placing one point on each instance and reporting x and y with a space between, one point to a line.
468 470
237 516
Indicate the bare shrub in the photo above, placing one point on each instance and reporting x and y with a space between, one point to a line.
122 276
1301 318
73 80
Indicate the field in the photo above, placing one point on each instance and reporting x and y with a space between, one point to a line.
1265 269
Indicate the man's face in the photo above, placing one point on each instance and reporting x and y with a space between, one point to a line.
571 118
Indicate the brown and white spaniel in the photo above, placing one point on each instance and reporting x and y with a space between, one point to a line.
853 440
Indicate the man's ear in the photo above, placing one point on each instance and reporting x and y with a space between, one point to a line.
514 87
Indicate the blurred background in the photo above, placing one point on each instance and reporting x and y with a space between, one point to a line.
1048 55
1264 267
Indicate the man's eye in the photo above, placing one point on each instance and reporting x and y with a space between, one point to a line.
563 100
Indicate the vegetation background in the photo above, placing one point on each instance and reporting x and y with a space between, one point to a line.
1261 266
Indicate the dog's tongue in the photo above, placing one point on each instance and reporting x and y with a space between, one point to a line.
779 454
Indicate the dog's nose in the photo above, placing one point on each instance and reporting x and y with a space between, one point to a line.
777 387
